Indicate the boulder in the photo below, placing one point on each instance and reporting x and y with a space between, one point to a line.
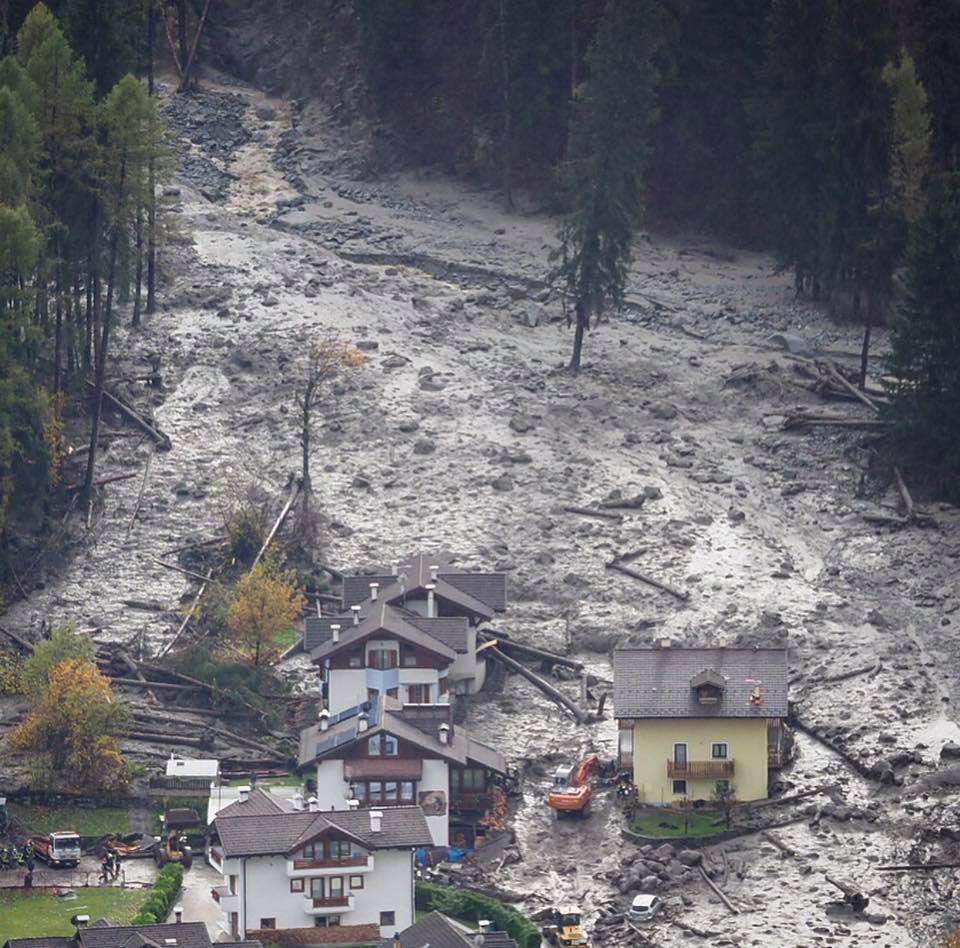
522 423
795 345
424 446
664 853
950 751
649 884
690 857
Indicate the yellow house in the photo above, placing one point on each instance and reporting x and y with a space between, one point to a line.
695 720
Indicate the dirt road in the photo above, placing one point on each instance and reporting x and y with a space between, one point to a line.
464 432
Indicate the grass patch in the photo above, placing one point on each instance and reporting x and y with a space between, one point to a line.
25 914
669 823
287 638
85 820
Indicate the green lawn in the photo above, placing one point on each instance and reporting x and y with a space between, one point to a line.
287 638
23 915
87 821
670 823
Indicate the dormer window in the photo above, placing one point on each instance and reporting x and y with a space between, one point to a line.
708 686
381 744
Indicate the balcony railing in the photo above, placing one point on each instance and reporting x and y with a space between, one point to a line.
695 769
774 759
332 901
470 802
327 905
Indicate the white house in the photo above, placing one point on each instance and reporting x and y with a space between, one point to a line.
424 594
203 768
381 754
289 867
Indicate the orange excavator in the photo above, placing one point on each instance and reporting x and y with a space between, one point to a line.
571 791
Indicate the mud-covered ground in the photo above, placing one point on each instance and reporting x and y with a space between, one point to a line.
464 432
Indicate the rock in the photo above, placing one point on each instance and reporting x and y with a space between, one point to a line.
950 751
271 301
502 484
266 113
649 883
522 423
408 425
795 345
424 446
736 515
368 345
652 493
430 383
663 853
360 482
662 410
393 362
877 619
690 857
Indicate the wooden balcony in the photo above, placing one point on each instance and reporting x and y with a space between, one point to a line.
699 769
470 802
332 901
300 864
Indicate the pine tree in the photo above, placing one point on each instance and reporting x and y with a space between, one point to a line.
106 35
925 338
609 144
18 149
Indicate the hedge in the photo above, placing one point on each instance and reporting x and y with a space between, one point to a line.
461 903
156 907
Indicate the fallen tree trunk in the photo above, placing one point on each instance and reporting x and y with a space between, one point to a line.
593 512
294 494
681 594
919 867
27 647
187 617
552 693
111 479
529 651
156 738
779 843
131 665
719 894
851 893
834 374
162 441
159 685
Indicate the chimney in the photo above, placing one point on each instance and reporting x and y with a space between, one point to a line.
483 926
444 730
396 940
243 793
376 821
431 600
324 717
178 913
373 591
298 801
353 804
363 721
434 571
356 614
169 942
313 805
665 643
335 633
80 921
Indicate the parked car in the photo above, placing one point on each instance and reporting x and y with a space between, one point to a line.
645 908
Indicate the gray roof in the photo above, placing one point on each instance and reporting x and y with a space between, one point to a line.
655 682
259 803
435 930
382 618
50 941
256 833
187 934
449 630
478 593
338 739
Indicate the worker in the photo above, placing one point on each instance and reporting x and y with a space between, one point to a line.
28 877
105 869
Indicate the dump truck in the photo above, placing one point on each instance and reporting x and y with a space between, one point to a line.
564 927
571 791
60 849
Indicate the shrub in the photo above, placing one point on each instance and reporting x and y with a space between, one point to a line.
460 903
156 907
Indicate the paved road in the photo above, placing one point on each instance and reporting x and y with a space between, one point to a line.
197 902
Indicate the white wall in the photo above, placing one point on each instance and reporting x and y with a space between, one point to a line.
266 892
331 787
436 776
346 688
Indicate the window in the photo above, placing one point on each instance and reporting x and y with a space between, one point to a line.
383 793
418 694
391 746
473 778
316 888
444 685
388 918
382 658
268 923
335 887
407 791
719 751
356 659
680 787
296 885
409 658
374 745
356 882
333 921
679 753
390 791
233 885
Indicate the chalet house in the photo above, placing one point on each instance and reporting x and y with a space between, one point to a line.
695 719
104 934
383 754
286 867
437 931
424 592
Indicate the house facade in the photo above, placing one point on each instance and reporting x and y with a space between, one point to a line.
695 721
382 754
287 866
424 593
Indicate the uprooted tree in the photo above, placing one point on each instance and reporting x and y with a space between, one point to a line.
327 360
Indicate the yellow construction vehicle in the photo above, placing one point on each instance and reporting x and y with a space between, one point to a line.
564 927
172 844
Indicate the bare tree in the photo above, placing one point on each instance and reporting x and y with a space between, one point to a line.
725 796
